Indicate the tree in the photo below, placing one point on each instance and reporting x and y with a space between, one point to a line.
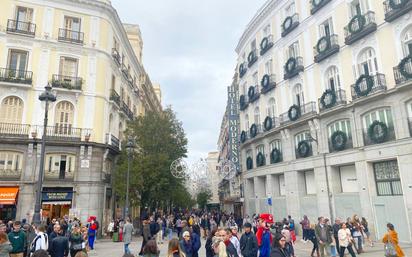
203 197
160 140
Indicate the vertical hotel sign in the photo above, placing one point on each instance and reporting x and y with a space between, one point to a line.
233 118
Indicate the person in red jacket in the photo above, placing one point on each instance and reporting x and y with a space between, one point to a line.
264 237
91 232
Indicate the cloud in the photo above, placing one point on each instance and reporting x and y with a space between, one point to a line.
189 49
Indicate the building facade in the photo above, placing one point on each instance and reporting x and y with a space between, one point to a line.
93 64
213 178
326 111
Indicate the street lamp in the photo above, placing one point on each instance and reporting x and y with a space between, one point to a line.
46 96
129 149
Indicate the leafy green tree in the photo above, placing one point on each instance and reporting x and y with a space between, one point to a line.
203 197
159 139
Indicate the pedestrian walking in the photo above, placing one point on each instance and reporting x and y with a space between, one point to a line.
186 244
305 227
345 241
195 237
59 246
264 237
367 234
279 247
41 241
218 244
77 243
310 233
234 240
91 232
209 243
30 235
248 242
127 235
146 235
357 231
174 249
151 249
159 234
17 239
5 245
336 227
110 229
324 237
390 239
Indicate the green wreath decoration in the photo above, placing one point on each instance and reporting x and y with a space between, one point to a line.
332 103
242 101
297 112
265 81
378 131
361 22
251 56
249 163
264 44
253 130
316 3
289 21
402 67
319 44
290 65
243 137
339 139
303 148
260 160
275 155
268 123
251 92
395 6
369 85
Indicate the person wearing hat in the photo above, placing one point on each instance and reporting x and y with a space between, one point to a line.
186 244
264 237
248 242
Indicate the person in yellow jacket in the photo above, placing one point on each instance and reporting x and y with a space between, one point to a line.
392 237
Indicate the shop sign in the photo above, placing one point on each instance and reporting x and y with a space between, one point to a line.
57 196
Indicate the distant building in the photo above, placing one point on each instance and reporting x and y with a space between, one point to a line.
213 177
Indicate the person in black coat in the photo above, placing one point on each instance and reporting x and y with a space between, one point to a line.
279 245
208 245
248 242
59 246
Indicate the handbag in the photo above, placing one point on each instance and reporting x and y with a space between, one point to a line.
77 247
390 249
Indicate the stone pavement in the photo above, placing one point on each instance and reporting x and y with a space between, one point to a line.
106 248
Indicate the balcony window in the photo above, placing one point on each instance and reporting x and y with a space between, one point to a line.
378 126
367 62
11 110
359 26
303 147
18 62
59 166
275 148
64 116
317 5
22 23
11 164
340 135
396 8
71 31
271 107
257 116
298 96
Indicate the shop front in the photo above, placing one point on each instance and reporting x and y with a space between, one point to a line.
56 202
8 203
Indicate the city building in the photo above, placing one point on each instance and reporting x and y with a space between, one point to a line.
93 64
213 178
326 111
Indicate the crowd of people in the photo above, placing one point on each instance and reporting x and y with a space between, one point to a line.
55 238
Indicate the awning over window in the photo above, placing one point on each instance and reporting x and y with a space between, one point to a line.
8 195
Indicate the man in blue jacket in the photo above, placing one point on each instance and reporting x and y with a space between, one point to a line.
248 242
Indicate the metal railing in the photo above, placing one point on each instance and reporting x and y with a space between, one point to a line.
67 82
57 174
243 71
275 123
272 84
112 140
368 141
116 56
10 173
63 132
306 109
332 46
269 39
245 102
298 68
115 97
14 130
358 29
16 76
391 14
293 24
379 84
71 36
315 8
340 99
125 70
254 57
125 108
256 96
399 78
21 27
349 144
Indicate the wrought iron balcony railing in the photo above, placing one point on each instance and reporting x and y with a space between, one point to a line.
329 101
289 24
360 26
12 130
112 140
317 5
403 72
266 44
21 27
7 174
267 83
242 69
256 95
116 56
63 132
304 110
396 8
58 175
67 82
243 102
326 46
125 108
16 76
252 57
115 97
369 85
71 36
293 66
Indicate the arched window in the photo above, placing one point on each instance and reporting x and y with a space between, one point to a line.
260 149
63 118
303 136
275 144
407 41
383 115
271 109
246 122
332 78
367 62
257 116
298 97
11 110
340 125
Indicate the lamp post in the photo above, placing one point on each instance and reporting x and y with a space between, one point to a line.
47 97
129 149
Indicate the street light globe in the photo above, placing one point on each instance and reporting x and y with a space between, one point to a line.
129 146
47 95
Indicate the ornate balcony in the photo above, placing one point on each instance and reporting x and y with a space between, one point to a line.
270 123
326 47
58 175
266 44
289 24
252 58
242 69
12 130
331 99
116 56
115 97
67 82
317 5
63 132
253 93
20 27
9 174
295 112
403 72
71 36
267 83
112 140
396 8
125 71
293 66
367 85
16 76
360 26
126 110
243 102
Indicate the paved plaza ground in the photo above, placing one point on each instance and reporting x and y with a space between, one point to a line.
106 248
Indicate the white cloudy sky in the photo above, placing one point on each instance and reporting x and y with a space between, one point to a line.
189 49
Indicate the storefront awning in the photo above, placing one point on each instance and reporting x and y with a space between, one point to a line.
8 195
